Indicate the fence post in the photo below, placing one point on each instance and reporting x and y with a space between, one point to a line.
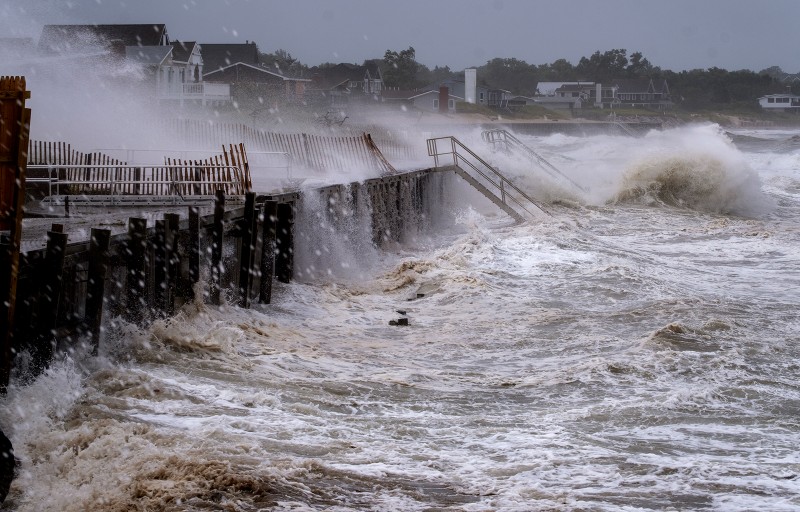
98 263
247 249
216 248
49 294
284 258
269 229
14 130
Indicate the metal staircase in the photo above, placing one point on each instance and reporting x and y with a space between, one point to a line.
505 140
483 177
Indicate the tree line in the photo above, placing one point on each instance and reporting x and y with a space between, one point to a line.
693 89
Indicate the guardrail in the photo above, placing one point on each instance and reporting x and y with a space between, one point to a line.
485 178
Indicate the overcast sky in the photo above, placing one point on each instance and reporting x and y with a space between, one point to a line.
672 34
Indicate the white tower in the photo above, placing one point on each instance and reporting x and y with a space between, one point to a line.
470 84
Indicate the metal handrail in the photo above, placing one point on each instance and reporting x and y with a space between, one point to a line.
502 180
511 140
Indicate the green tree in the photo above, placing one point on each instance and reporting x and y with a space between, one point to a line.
511 74
283 62
603 67
400 68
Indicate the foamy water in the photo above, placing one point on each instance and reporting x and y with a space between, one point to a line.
636 351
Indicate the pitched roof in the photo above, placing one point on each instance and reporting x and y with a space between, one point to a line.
148 55
332 76
182 50
218 56
257 68
73 38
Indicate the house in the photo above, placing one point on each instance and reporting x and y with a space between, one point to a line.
426 101
459 89
81 39
250 82
218 56
642 93
779 102
342 84
175 73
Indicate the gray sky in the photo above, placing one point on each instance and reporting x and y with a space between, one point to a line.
672 34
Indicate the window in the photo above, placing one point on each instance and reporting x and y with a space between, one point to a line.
770 100
436 104
481 97
451 104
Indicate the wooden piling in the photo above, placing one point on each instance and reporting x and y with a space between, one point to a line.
98 263
216 249
136 263
194 251
269 229
284 259
247 249
173 262
49 293
160 275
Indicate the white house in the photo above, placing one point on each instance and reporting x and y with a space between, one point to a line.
779 101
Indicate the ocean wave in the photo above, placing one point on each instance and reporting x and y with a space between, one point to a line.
698 181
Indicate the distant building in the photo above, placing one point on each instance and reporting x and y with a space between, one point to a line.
426 101
342 84
175 72
219 56
74 39
779 102
250 82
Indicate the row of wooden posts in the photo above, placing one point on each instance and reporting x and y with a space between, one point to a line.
149 271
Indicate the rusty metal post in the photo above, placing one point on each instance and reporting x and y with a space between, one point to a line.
14 130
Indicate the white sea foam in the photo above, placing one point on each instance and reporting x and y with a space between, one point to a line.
615 356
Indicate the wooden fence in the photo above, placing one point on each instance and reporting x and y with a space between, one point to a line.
311 151
77 173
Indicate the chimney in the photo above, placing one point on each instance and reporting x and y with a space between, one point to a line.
444 94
